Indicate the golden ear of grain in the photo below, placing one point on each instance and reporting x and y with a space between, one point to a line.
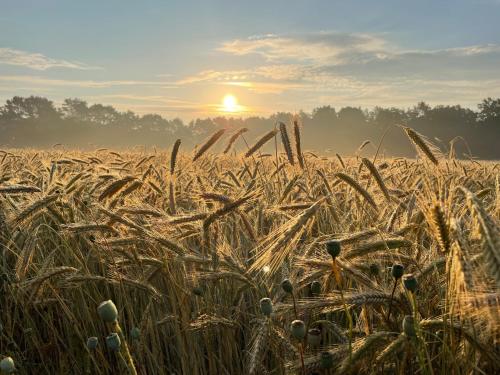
378 178
279 244
15 189
298 145
354 184
114 187
173 156
171 198
440 228
35 207
216 197
288 188
225 210
209 143
363 145
422 145
233 139
286 143
263 140
341 160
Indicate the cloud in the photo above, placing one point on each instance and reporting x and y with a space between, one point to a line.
471 63
357 69
330 46
37 61
361 55
81 83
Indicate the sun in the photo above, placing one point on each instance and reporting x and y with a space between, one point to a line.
230 103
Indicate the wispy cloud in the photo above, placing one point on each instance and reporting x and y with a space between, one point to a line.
38 61
81 83
330 46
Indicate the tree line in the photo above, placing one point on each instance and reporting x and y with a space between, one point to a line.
37 122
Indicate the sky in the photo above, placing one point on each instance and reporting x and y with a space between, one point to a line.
182 58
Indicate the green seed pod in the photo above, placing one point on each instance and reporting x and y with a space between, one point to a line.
409 326
314 337
397 271
298 329
266 306
410 282
107 311
7 365
287 286
326 360
333 248
135 333
113 342
92 343
198 291
315 288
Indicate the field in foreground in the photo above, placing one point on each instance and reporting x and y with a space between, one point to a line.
187 250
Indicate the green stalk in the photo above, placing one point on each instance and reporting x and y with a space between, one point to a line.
338 279
124 349
423 354
301 349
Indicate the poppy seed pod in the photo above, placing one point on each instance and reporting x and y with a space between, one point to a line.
113 341
287 286
198 291
298 329
92 343
316 287
266 306
7 365
326 360
333 248
409 326
397 271
135 333
410 283
314 337
107 311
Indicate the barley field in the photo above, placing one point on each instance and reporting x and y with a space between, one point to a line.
233 259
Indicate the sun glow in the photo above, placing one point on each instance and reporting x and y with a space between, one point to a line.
230 103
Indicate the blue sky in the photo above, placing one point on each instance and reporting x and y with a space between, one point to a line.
181 58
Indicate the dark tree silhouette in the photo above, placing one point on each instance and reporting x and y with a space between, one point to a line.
37 122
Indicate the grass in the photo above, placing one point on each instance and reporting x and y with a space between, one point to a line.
189 245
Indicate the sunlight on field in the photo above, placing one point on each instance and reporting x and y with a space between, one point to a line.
248 248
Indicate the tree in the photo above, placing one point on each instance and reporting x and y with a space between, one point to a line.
75 109
351 116
324 114
34 107
102 115
383 117
489 111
